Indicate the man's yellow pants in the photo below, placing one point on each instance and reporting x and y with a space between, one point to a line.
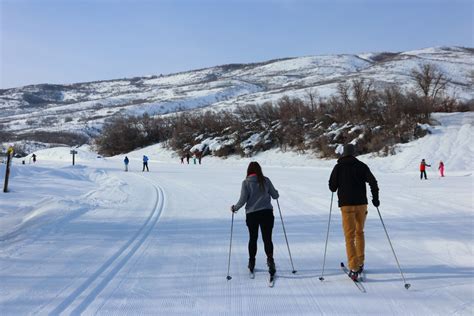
353 221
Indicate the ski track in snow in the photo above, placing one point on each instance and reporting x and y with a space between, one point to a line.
123 246
114 264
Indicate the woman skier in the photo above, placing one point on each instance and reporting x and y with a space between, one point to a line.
441 168
256 192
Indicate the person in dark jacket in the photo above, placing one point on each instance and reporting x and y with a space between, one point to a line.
126 161
256 193
199 156
187 157
349 179
34 158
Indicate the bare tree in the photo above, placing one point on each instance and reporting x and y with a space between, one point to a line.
430 81
343 92
362 94
312 94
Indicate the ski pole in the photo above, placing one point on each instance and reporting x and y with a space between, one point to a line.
284 232
230 247
321 278
407 285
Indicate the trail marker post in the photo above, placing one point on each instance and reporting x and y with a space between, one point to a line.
73 153
7 172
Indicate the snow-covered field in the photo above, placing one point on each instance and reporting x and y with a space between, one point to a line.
94 239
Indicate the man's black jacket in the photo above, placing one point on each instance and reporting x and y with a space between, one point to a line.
348 178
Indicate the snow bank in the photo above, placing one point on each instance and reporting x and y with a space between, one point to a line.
40 197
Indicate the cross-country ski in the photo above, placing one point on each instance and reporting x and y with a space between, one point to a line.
358 282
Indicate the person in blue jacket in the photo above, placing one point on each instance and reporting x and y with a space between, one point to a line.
145 163
126 161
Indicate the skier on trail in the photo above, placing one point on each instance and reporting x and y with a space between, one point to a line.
199 156
145 163
348 178
182 160
34 158
126 161
423 166
256 192
441 168
187 157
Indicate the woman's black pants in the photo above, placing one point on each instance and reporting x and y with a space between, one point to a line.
263 219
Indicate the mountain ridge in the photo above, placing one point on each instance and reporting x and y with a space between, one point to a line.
83 107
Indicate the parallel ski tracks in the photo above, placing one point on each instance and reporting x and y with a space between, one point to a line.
81 298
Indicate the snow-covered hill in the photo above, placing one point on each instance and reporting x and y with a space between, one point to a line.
83 107
93 239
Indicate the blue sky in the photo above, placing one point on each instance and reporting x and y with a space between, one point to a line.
53 41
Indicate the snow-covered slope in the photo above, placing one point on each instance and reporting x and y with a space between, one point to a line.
93 239
83 107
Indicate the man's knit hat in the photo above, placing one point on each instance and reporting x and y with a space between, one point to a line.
349 150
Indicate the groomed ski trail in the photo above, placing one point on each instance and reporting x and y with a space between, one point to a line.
78 301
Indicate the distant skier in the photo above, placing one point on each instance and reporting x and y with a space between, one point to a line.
145 163
348 178
423 166
441 168
187 157
194 158
256 192
34 158
182 159
126 161
199 156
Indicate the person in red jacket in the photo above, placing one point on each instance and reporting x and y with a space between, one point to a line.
441 168
423 166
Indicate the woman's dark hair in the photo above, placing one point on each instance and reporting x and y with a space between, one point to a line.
254 168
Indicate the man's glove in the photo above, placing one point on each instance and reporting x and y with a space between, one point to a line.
376 202
232 209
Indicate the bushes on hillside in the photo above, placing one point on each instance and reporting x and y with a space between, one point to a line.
357 113
64 138
125 133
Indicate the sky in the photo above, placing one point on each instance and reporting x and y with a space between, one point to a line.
67 41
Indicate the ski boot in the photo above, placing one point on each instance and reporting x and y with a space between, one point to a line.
271 266
354 275
251 265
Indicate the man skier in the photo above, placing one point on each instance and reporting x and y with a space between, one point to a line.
145 163
348 178
423 166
